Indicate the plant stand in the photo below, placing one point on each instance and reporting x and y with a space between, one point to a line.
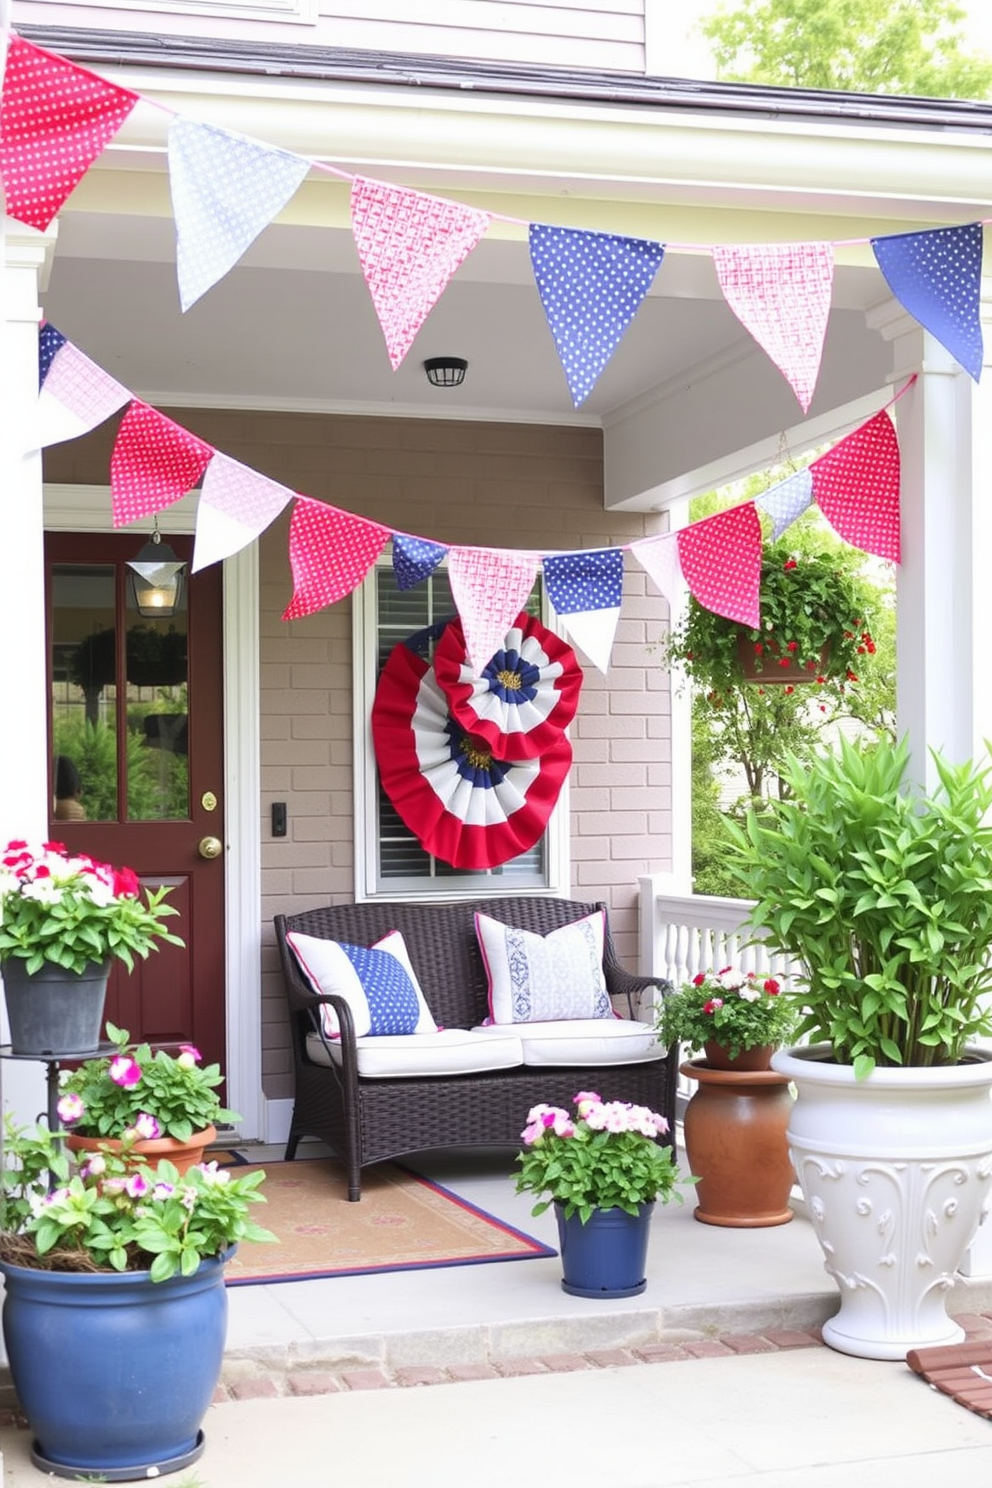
736 1145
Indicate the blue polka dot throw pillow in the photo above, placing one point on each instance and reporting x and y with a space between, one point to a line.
377 982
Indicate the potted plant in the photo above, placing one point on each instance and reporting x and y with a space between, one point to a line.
160 1105
735 1122
63 918
883 895
816 622
115 1312
603 1170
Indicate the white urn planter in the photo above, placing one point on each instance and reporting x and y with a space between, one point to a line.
896 1170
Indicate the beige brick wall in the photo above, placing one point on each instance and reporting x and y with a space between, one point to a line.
487 483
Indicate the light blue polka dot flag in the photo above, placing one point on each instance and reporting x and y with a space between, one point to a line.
225 190
586 589
414 559
937 277
591 285
787 501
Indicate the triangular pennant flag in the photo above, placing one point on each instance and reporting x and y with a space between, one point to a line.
659 557
490 588
50 343
937 277
786 501
330 552
721 560
409 246
780 292
856 486
586 589
76 396
591 286
225 190
154 463
235 505
55 119
414 559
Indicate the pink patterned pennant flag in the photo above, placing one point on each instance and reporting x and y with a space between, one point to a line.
75 397
856 486
155 462
780 292
330 552
659 557
409 245
490 588
236 504
721 560
55 118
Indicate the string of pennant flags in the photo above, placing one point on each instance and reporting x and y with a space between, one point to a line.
155 462
57 117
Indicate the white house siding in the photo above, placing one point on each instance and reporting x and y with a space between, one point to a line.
601 34
506 485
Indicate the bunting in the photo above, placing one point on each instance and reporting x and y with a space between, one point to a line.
154 463
721 561
586 590
490 588
330 552
659 557
409 246
937 277
50 343
787 501
236 505
591 286
55 119
225 190
414 559
75 395
856 486
780 292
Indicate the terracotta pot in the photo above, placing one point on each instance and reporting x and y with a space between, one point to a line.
766 666
152 1150
758 1058
736 1145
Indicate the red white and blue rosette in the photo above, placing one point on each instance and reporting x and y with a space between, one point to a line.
525 695
462 804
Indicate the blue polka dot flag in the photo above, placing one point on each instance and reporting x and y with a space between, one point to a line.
936 276
591 285
50 343
787 501
414 559
585 589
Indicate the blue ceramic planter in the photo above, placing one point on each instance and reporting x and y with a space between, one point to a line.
113 1371
606 1256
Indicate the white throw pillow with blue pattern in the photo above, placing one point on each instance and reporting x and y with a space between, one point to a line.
377 982
545 978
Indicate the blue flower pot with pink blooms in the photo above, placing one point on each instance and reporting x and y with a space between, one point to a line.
606 1256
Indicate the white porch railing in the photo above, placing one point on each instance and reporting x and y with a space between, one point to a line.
682 934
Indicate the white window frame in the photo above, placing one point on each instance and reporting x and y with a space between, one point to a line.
368 885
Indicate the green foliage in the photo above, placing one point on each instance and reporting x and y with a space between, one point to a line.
108 1214
92 747
910 47
609 1158
735 1009
176 1090
884 895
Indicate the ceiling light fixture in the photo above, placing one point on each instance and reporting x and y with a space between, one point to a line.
446 371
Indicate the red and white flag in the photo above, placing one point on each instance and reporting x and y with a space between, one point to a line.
154 463
490 587
856 486
409 245
721 560
330 552
780 292
236 504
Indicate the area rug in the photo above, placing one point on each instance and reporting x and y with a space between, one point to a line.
403 1223
961 1370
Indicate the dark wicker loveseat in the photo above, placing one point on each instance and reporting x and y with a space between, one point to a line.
369 1120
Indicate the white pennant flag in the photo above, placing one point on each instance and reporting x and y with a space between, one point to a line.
659 557
75 397
225 190
236 504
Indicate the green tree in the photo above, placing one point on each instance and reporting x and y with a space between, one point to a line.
908 47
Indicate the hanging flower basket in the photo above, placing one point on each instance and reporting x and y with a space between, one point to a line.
768 661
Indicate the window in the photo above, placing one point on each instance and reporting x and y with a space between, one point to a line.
389 861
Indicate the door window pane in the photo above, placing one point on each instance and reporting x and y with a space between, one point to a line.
157 709
84 692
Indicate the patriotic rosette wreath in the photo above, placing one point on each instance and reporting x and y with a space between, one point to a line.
525 695
462 804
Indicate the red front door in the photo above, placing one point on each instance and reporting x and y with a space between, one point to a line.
137 748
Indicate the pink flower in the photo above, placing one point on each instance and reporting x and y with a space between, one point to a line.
698 981
145 1127
712 1005
124 1071
70 1109
192 1050
137 1187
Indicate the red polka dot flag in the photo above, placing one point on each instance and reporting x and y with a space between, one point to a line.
154 463
330 552
721 563
856 486
55 119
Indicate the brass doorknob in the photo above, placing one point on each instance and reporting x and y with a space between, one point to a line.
210 847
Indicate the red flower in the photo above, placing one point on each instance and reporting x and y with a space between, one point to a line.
126 883
698 981
791 564
758 648
792 646
785 661
851 677
713 1004
772 987
820 681
789 689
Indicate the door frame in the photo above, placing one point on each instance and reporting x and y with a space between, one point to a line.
87 508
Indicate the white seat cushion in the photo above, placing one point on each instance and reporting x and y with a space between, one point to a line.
450 1051
589 1041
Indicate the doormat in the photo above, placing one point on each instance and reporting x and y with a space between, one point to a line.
403 1222
961 1370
